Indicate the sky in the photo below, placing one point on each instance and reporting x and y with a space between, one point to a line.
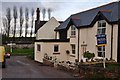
61 9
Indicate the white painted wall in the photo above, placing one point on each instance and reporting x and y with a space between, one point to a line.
48 47
115 40
47 30
73 40
87 35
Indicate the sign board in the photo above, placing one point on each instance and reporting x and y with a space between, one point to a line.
101 39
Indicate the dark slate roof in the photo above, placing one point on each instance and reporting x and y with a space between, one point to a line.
85 18
41 23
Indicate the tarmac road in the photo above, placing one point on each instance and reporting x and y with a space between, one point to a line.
22 67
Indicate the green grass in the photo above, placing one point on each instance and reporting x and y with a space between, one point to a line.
21 51
113 66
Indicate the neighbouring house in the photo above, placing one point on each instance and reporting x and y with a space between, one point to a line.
69 40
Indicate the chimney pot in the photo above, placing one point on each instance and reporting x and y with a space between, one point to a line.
38 14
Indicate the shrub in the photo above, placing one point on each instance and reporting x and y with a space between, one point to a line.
67 51
46 56
88 55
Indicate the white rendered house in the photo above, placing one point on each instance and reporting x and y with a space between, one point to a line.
77 34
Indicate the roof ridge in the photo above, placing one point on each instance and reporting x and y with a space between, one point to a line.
95 8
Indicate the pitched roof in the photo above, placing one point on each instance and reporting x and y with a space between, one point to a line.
85 18
40 24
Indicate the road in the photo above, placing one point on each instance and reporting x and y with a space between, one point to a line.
22 67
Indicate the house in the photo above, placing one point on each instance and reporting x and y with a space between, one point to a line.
78 34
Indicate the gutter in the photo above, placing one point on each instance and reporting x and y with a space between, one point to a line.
118 43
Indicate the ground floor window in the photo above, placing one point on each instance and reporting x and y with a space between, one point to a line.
38 47
101 51
56 48
73 48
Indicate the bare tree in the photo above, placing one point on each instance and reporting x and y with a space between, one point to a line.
5 26
8 16
49 13
21 20
15 18
44 12
27 18
32 14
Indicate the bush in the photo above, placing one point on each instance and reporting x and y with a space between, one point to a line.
89 55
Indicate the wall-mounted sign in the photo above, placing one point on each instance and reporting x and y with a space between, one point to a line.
101 39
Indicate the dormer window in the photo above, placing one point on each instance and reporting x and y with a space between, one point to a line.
73 31
101 27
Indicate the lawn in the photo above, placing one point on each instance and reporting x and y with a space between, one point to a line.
24 51
97 71
21 51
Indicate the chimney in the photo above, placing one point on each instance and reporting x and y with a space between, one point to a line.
38 14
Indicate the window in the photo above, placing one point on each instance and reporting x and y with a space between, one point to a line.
73 31
73 48
56 48
38 47
101 27
101 51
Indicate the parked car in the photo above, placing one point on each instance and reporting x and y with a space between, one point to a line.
7 55
2 56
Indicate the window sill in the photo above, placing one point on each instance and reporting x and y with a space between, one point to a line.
72 55
72 36
38 51
56 53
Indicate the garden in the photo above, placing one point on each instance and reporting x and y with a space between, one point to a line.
89 69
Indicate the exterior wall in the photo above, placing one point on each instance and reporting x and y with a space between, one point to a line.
73 40
58 35
47 30
48 47
108 46
88 37
115 40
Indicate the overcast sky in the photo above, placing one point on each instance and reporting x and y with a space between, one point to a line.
61 9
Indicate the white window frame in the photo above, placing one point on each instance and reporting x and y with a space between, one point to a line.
100 28
73 47
102 51
73 31
38 47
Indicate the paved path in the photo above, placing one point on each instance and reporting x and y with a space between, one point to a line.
22 67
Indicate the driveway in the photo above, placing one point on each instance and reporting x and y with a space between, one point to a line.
22 67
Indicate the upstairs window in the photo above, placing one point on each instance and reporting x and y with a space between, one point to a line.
73 31
56 48
101 27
